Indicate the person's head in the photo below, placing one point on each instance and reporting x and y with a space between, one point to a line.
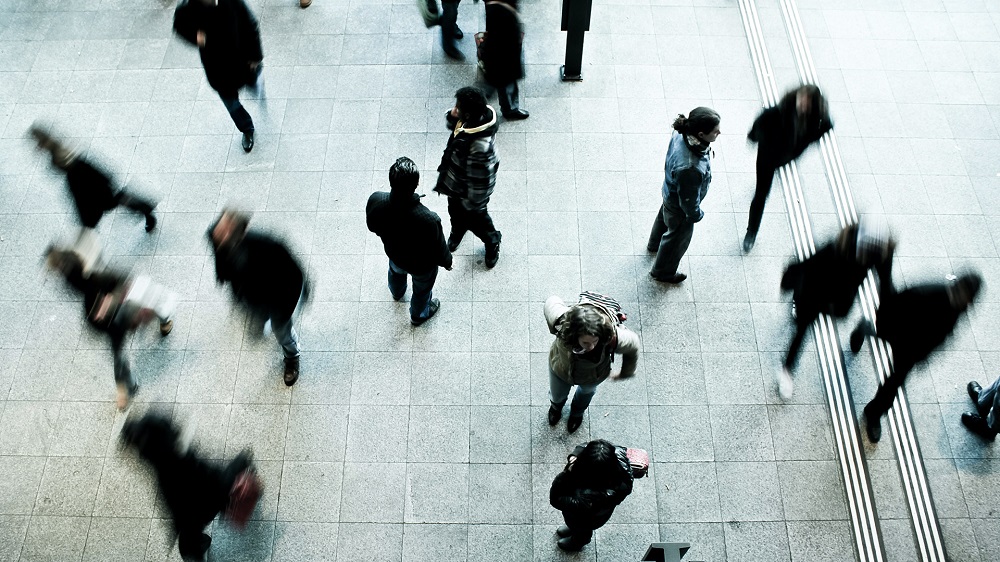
869 241
230 228
61 155
585 328
702 123
597 461
808 100
471 103
62 260
964 289
403 177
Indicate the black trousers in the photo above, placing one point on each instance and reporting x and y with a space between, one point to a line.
478 221
765 177
134 203
449 17
803 319
236 110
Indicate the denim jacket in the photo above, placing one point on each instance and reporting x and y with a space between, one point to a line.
686 190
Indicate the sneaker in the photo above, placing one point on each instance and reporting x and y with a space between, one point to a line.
166 327
492 255
434 307
785 384
291 373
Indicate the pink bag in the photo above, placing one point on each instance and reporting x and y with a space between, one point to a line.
639 459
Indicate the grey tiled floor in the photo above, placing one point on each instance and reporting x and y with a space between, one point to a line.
431 444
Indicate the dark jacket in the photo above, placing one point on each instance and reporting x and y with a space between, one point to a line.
588 506
410 232
916 321
780 138
92 191
468 168
94 287
232 41
827 282
263 274
502 53
687 174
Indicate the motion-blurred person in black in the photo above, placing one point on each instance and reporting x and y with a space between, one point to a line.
782 134
502 55
985 421
264 277
914 322
413 239
115 304
91 188
827 282
228 39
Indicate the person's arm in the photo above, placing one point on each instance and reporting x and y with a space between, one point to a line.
185 24
445 259
554 309
628 347
689 194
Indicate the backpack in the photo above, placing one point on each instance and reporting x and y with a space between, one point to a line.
605 304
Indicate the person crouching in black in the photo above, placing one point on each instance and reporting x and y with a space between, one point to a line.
588 490
264 276
914 322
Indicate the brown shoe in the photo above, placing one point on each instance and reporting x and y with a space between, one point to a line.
305 3
165 327
291 371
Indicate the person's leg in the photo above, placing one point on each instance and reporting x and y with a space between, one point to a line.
239 113
765 176
126 385
420 301
449 27
885 395
459 226
481 224
989 404
284 332
673 244
507 101
138 205
802 323
558 390
658 230
581 400
863 329
397 281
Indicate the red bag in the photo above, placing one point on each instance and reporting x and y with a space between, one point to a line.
639 459
243 497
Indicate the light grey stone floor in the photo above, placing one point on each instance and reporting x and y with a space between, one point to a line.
403 444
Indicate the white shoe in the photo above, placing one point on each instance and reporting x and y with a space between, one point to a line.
785 385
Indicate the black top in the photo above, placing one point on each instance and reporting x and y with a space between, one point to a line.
263 274
92 191
782 136
917 320
410 232
232 41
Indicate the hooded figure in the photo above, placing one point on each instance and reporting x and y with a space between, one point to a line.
413 239
468 171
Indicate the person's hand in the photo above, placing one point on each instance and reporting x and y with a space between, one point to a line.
200 38
254 65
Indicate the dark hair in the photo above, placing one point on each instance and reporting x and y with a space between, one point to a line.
597 462
403 175
471 102
818 107
585 321
700 120
966 288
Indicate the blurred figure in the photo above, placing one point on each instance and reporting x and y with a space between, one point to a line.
687 175
413 239
265 278
827 282
228 39
914 322
502 55
468 171
983 421
91 188
449 29
194 490
782 134
582 354
116 305
588 490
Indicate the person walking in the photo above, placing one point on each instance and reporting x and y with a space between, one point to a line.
914 322
503 55
588 490
450 31
264 277
782 133
687 175
92 190
116 305
228 40
587 339
827 283
983 422
413 239
468 171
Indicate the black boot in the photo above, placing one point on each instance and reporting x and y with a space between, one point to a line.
492 254
873 425
748 241
574 422
150 222
572 543
564 532
977 425
555 412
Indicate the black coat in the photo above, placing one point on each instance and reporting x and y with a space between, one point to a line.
588 506
916 321
263 274
93 288
827 282
92 191
232 41
410 232
502 50
774 131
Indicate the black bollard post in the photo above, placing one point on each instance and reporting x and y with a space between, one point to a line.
666 551
575 21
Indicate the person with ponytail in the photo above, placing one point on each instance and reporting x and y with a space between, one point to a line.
687 175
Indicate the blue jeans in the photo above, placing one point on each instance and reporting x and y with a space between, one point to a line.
989 401
559 390
420 302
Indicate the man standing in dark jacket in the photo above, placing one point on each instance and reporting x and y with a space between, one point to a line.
228 39
468 171
503 55
413 239
91 188
264 276
914 323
